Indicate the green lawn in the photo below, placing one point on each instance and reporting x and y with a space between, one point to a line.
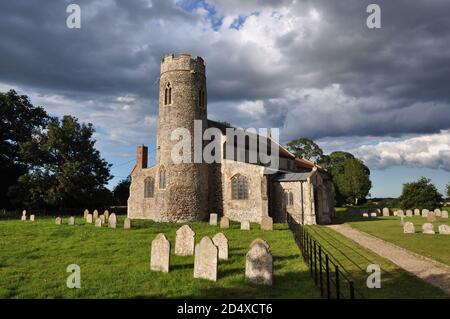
395 282
115 262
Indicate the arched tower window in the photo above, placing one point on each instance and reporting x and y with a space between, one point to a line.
149 187
168 94
162 178
239 187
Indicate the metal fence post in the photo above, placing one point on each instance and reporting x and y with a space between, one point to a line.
320 271
315 262
338 292
327 268
352 290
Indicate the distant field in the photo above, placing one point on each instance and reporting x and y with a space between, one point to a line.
115 262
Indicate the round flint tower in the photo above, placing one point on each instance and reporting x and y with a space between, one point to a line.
182 99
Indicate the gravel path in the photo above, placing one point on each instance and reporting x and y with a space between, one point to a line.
425 268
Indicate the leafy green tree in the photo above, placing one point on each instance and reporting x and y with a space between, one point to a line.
19 121
66 169
420 194
122 191
306 148
448 190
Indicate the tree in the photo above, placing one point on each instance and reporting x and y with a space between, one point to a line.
66 170
306 148
421 194
122 191
19 121
448 190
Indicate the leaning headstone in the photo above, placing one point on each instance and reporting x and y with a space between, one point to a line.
245 225
427 228
58 221
89 218
409 213
95 214
213 219
32 217
408 228
267 223
444 229
160 254
425 212
24 215
365 215
205 260
127 223
98 222
431 217
437 212
71 220
85 213
112 221
378 211
373 214
385 212
416 212
106 213
221 243
259 265
444 214
224 222
185 241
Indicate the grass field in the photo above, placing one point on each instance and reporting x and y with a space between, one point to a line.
115 262
388 228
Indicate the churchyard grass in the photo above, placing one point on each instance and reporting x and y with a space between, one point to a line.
395 282
388 228
115 263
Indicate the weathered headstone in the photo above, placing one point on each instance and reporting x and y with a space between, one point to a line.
425 212
205 260
408 228
127 223
98 222
160 254
259 264
431 217
213 219
221 242
373 214
437 212
224 222
444 214
385 212
24 215
32 217
409 213
71 220
444 229
89 218
400 213
185 241
365 215
245 225
112 221
95 214
261 241
106 213
395 213
85 213
427 228
58 221
416 212
267 223
102 217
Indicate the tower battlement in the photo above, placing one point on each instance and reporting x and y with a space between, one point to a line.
183 62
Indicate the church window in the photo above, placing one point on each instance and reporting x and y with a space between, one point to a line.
149 187
239 187
162 178
168 94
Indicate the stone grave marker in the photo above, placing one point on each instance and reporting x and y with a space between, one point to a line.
112 221
160 254
71 220
409 213
213 219
98 222
259 264
266 223
205 260
444 229
185 241
427 228
431 217
245 225
408 228
32 217
385 212
127 223
444 214
221 243
89 218
224 222
58 221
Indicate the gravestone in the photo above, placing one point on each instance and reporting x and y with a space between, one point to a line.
425 212
224 222
400 213
427 228
112 221
205 260
373 214
385 212
71 220
395 213
444 214
24 215
431 217
261 241
408 228
409 213
32 217
102 217
245 225
378 211
267 223
221 243
98 222
95 214
259 264
444 229
58 221
213 219
106 213
85 213
365 215
185 241
160 253
416 212
89 218
437 212
127 223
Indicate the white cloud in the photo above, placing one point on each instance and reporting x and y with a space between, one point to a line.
255 109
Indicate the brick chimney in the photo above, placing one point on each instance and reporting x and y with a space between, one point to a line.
141 156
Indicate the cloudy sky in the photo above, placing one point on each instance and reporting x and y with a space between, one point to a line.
311 68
